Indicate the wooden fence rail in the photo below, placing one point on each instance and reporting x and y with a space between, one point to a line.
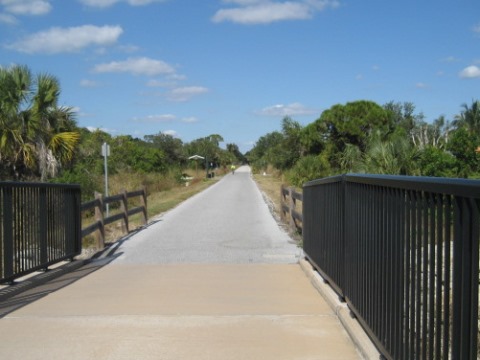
101 221
289 212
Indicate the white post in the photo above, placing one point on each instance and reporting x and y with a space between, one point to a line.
106 153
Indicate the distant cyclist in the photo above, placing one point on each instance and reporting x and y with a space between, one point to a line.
233 169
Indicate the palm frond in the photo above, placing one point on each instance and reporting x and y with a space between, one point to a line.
63 145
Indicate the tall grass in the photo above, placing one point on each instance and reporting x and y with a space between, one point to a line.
164 191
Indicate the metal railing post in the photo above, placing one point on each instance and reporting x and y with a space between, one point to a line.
465 285
7 232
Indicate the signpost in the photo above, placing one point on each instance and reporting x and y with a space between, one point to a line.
105 154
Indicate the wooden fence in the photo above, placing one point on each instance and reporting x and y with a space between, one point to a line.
99 204
289 210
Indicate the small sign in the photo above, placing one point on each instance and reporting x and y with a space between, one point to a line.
105 149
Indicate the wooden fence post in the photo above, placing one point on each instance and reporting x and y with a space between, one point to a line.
291 206
100 234
143 201
282 201
124 209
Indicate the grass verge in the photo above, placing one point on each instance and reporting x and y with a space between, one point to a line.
157 203
270 185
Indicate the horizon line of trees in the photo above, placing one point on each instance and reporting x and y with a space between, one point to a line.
40 140
364 137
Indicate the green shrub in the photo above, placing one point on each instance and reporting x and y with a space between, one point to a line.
308 168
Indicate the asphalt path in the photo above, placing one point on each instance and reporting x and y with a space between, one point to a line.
228 223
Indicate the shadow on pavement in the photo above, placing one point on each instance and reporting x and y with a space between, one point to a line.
111 248
25 293
39 291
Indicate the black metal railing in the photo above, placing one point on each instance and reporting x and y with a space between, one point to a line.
39 225
404 253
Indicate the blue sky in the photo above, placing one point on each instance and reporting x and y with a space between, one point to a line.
192 68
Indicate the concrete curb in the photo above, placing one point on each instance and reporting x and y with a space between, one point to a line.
360 339
35 280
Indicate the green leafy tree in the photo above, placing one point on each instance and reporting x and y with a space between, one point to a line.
209 148
313 138
262 153
281 150
134 155
434 161
172 147
309 168
291 149
403 118
235 151
352 123
463 145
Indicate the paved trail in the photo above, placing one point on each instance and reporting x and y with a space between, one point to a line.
227 223
214 278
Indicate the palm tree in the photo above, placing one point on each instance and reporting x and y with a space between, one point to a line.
469 117
394 156
36 135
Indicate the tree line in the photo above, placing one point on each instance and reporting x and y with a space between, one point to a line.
41 141
365 137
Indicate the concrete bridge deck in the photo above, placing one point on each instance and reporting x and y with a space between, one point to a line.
214 278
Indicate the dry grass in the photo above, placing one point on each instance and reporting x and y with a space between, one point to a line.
157 203
270 184
165 200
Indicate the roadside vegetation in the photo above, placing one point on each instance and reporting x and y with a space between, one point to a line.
364 137
41 141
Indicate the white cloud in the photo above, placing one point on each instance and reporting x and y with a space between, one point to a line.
26 7
241 2
73 39
470 72
281 110
185 93
157 83
170 82
171 133
8 19
476 29
268 11
136 66
189 120
156 118
94 128
128 48
450 59
421 85
177 77
107 3
88 83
